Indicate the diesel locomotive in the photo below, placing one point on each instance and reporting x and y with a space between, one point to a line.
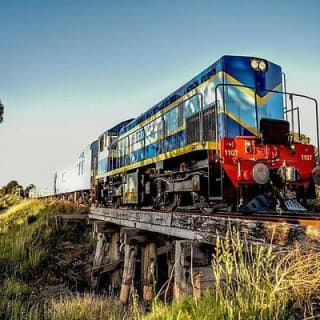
227 140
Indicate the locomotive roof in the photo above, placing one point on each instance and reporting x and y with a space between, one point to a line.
116 129
194 82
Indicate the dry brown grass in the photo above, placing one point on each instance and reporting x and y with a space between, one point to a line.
87 307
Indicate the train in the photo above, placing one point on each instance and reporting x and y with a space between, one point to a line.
228 140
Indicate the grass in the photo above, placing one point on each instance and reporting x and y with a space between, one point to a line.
8 200
87 307
25 243
252 282
23 230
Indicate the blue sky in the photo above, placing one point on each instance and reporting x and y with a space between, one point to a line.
69 69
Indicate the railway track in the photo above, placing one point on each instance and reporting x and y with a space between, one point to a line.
311 219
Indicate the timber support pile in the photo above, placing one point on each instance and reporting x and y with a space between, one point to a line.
149 269
193 271
107 257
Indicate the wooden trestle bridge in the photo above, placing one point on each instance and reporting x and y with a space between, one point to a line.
150 249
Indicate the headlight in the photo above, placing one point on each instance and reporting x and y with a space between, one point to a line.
259 65
262 66
254 64
260 173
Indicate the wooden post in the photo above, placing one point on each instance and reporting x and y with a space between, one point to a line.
130 253
182 272
100 250
196 284
98 258
115 278
149 260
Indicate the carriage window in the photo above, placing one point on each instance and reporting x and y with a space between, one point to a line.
80 164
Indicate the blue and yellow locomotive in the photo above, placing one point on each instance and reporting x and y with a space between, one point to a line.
221 141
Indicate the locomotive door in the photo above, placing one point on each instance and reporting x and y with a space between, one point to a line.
215 174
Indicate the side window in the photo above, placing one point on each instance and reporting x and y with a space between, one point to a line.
121 148
132 141
191 106
126 146
95 165
171 120
174 118
101 143
139 135
158 127
180 115
113 143
152 132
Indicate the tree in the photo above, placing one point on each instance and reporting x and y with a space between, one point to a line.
28 189
11 186
1 112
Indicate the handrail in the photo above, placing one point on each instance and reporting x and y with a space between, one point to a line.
274 91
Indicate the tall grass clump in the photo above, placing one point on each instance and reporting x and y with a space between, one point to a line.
86 307
253 282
